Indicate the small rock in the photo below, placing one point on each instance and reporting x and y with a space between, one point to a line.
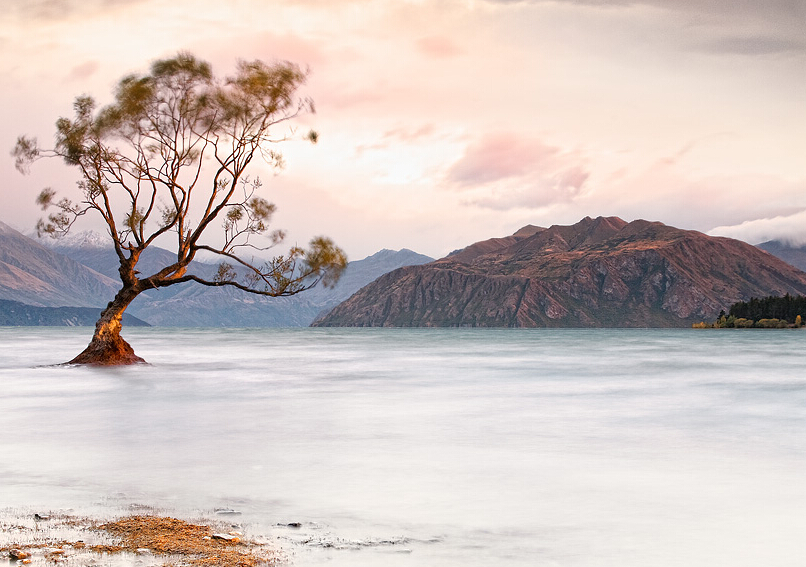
294 525
227 512
41 517
226 537
235 533
143 550
18 554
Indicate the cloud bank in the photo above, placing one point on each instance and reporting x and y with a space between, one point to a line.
790 229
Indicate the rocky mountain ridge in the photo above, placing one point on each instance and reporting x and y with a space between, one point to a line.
602 272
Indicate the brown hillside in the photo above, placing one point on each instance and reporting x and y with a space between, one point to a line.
601 272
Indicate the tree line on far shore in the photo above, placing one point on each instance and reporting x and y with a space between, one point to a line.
762 313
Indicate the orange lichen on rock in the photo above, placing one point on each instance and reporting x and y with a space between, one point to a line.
170 536
170 541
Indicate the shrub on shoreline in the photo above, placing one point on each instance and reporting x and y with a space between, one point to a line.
767 313
731 322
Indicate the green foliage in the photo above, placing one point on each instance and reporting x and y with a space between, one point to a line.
787 308
323 257
25 152
726 322
767 313
77 140
45 197
771 324
183 67
224 273
261 211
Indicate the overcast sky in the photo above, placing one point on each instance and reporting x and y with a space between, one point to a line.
446 122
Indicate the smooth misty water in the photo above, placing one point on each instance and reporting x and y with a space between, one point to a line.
436 448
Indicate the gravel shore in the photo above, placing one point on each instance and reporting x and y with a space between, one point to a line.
143 538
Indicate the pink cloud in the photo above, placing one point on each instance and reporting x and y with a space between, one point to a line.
500 156
573 178
534 193
504 171
287 46
344 97
56 10
405 135
439 47
400 135
222 52
83 71
690 146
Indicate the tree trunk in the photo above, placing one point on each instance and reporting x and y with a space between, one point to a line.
107 347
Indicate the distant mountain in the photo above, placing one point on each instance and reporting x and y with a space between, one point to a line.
361 272
794 255
35 275
15 314
95 251
601 272
194 305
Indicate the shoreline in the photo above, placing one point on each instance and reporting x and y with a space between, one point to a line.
141 535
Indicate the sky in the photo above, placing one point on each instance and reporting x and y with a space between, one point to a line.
446 122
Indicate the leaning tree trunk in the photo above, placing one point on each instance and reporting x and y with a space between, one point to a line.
107 347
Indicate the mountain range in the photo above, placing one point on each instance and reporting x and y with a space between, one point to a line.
598 272
81 271
602 272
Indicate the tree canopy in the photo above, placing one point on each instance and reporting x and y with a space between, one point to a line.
170 156
786 308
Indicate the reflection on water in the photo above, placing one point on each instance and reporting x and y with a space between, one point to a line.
429 447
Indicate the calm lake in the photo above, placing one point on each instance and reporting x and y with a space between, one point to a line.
428 448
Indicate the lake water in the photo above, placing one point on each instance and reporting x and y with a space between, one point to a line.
428 448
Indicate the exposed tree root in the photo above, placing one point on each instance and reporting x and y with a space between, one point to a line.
113 351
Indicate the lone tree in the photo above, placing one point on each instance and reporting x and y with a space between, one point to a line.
170 156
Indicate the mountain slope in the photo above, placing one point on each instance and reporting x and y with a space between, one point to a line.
793 255
469 253
15 314
33 274
600 272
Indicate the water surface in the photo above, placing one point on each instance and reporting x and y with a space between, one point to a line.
427 447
